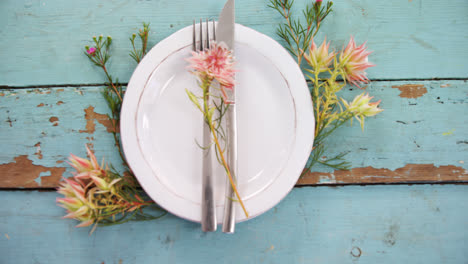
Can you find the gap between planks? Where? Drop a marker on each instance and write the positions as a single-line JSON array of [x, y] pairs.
[[332, 185], [125, 84]]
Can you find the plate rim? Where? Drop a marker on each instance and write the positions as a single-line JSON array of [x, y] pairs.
[[292, 74]]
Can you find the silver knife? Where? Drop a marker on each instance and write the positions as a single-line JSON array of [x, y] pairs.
[[225, 33]]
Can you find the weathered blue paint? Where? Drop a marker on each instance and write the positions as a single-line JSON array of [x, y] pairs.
[[374, 224], [42, 44], [28, 115], [42, 41], [409, 131]]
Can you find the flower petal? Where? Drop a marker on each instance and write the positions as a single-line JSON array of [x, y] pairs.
[[86, 223]]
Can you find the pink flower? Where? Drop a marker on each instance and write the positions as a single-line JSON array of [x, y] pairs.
[[85, 223], [354, 60], [83, 165], [319, 58], [74, 202], [91, 51], [361, 107], [77, 189], [215, 63], [71, 188], [70, 203], [65, 189], [83, 210], [83, 178]]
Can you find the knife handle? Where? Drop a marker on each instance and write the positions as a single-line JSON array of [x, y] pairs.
[[229, 218]]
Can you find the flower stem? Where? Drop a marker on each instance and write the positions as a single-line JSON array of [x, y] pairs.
[[299, 51], [226, 167], [212, 124], [111, 82], [317, 102]]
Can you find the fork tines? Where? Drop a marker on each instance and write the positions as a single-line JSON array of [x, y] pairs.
[[204, 44]]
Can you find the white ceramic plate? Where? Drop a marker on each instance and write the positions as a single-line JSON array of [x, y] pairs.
[[159, 125]]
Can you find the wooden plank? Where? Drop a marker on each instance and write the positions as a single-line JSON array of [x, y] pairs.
[[42, 41], [373, 224], [420, 137]]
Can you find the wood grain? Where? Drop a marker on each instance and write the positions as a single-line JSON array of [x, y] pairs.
[[418, 139], [373, 224], [410, 173], [43, 41]]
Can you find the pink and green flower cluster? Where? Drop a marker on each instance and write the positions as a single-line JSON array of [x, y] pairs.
[[349, 64], [94, 193]]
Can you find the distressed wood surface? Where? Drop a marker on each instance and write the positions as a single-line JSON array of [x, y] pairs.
[[42, 41], [374, 224], [420, 137]]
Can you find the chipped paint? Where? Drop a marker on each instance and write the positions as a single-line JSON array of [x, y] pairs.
[[40, 105], [60, 102], [411, 90], [445, 85], [370, 175], [42, 91], [42, 174], [91, 117], [23, 173], [7, 236], [54, 120], [38, 150], [9, 121]]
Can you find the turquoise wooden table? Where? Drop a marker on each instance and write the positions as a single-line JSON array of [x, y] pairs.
[[404, 200]]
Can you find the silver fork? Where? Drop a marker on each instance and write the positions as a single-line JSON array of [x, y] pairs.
[[208, 216]]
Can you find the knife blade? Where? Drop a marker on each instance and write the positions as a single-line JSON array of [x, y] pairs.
[[225, 33]]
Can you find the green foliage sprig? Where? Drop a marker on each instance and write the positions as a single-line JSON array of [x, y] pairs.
[[323, 70], [295, 32], [104, 196], [138, 54]]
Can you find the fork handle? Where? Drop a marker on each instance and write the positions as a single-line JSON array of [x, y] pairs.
[[208, 217]]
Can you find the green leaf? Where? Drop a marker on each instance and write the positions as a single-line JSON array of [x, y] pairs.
[[210, 113], [194, 99]]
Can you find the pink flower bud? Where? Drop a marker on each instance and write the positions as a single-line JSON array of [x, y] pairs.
[[65, 189], [69, 203], [361, 107], [78, 190], [91, 51], [94, 162], [354, 60], [83, 165], [86, 223], [80, 164], [100, 183], [318, 57]]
